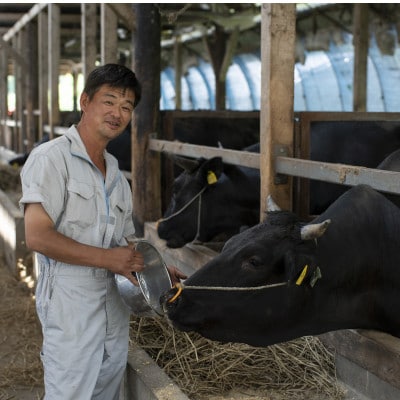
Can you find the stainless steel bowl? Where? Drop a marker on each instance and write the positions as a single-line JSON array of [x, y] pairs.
[[154, 280]]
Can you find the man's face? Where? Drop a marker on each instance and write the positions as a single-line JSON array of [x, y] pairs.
[[109, 111]]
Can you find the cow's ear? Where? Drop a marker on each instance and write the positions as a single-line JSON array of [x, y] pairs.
[[299, 267], [212, 169]]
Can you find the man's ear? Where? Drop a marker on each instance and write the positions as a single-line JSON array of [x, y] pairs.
[[83, 101]]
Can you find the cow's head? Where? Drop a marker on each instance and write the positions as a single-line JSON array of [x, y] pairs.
[[192, 202], [279, 256]]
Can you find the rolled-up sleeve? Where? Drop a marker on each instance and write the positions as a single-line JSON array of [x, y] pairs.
[[43, 182]]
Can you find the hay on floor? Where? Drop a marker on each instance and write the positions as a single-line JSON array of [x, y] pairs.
[[20, 336], [202, 367]]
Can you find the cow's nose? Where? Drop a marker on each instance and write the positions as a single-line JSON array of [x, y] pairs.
[[171, 296]]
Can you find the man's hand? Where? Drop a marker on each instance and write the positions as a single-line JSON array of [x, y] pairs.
[[127, 261], [175, 274]]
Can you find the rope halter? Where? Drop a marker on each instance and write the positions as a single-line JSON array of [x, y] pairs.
[[314, 277], [198, 195], [181, 286]]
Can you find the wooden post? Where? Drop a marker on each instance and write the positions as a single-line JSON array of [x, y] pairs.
[[31, 84], [19, 115], [88, 37], [108, 42], [277, 98], [54, 64], [43, 71], [145, 163], [361, 44], [3, 91], [178, 73], [216, 45]]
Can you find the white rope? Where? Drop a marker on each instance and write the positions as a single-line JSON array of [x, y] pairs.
[[198, 220], [228, 288], [184, 207]]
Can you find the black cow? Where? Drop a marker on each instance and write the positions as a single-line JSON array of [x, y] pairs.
[[392, 163], [340, 271], [364, 143], [211, 198]]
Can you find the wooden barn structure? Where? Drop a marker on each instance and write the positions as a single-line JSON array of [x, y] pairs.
[[31, 50]]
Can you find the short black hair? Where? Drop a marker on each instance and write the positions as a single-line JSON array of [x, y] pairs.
[[114, 75]]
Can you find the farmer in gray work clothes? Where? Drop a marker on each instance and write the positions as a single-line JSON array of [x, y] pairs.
[[78, 212]]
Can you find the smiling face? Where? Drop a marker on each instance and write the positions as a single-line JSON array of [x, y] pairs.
[[108, 112]]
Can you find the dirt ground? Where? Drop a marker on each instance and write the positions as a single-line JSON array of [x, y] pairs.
[[20, 340]]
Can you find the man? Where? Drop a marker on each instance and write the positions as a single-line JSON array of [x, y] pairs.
[[78, 214]]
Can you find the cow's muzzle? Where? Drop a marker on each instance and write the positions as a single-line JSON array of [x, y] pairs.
[[171, 296]]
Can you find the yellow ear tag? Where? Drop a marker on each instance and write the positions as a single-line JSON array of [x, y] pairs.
[[211, 178], [302, 276]]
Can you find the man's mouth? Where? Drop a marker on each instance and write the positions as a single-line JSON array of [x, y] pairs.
[[113, 124]]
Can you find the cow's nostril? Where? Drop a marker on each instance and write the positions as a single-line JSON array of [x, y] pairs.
[[171, 296], [179, 288]]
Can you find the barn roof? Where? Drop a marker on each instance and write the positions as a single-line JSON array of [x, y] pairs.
[[324, 51], [324, 82], [317, 25]]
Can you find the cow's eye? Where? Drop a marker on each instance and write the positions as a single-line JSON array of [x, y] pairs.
[[252, 262]]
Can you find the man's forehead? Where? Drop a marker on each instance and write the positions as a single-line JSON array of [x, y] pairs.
[[108, 90]]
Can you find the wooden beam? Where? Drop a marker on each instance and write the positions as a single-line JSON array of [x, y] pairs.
[[32, 13], [349, 175], [15, 54], [236, 157], [126, 14], [278, 35]]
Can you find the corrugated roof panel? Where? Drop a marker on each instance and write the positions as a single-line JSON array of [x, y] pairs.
[[342, 61], [198, 90], [388, 71], [167, 101], [208, 75], [238, 95], [323, 83], [299, 97], [250, 64], [320, 83]]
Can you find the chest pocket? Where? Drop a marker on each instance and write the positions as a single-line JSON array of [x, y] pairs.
[[81, 209], [119, 210]]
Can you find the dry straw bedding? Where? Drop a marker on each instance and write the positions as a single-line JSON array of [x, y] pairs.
[[300, 369]]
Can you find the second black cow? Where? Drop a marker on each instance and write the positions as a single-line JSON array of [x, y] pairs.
[[234, 202]]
